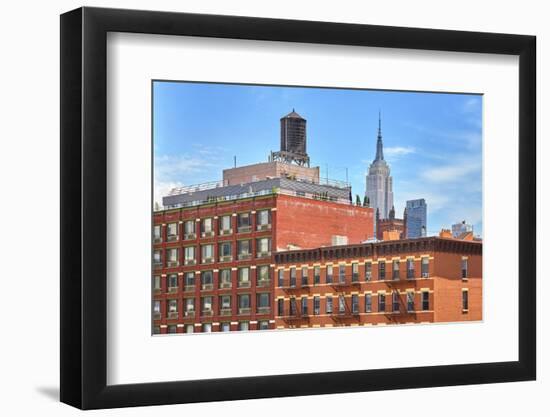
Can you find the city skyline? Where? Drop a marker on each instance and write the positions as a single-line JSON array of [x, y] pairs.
[[431, 141]]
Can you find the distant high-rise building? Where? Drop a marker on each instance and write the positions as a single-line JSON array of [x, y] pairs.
[[416, 218], [379, 182], [460, 228]]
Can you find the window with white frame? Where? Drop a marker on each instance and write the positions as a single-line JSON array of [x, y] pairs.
[[381, 302], [263, 246], [173, 281], [225, 251], [329, 274], [189, 252], [189, 305], [410, 301], [172, 306], [244, 301], [225, 278], [172, 229], [189, 279], [157, 259], [464, 267], [189, 228], [244, 276], [263, 218], [225, 224], [243, 326], [207, 253], [341, 304], [207, 327], [262, 273], [156, 282], [225, 302], [368, 303], [189, 328], [207, 225], [410, 268], [172, 255], [206, 304], [425, 267], [157, 232], [264, 300], [328, 302], [207, 279]]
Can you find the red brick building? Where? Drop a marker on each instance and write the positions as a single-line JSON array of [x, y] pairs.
[[405, 281], [213, 262]]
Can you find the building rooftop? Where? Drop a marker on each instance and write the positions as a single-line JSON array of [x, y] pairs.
[[218, 191]]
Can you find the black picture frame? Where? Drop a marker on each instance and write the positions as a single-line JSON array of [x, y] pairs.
[[84, 207]]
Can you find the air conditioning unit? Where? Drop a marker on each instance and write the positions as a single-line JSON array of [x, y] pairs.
[[264, 254], [207, 234], [264, 310], [207, 260], [157, 240], [190, 313], [425, 274], [208, 287], [244, 229], [226, 232], [189, 288], [225, 312], [226, 258], [172, 238], [244, 256], [244, 310], [263, 227], [172, 264], [190, 261], [190, 236], [207, 313], [244, 284], [156, 316], [172, 289], [173, 315], [225, 285], [264, 283]]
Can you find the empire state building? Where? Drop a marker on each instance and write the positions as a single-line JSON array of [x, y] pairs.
[[379, 182]]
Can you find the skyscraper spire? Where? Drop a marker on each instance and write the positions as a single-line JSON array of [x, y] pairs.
[[379, 150]]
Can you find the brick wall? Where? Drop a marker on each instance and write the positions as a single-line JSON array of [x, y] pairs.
[[310, 223]]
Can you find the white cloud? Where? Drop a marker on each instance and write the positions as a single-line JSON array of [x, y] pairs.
[[162, 189], [394, 152], [453, 172]]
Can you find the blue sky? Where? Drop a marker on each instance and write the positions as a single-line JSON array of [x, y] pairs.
[[431, 141]]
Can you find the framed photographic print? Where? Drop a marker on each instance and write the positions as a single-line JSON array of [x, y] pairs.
[[257, 208]]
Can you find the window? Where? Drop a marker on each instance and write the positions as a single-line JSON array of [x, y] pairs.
[[316, 275], [425, 267], [189, 252], [172, 256], [329, 274], [189, 305], [293, 306], [172, 282], [263, 300], [156, 329], [292, 277], [328, 302], [156, 307], [395, 273], [368, 271], [172, 306], [156, 257], [172, 329], [354, 272], [207, 280], [225, 225], [304, 306], [316, 305], [342, 274], [464, 265], [410, 268], [206, 304], [207, 328], [243, 326], [263, 219], [281, 278], [207, 253], [189, 229], [189, 280], [225, 251], [225, 327], [172, 230], [281, 307], [425, 300], [368, 303], [243, 249], [381, 302], [206, 226], [410, 301], [243, 222], [382, 270], [304, 276], [355, 304], [262, 274], [263, 325], [395, 301], [244, 301], [464, 300], [157, 234], [263, 247], [244, 277], [225, 302], [225, 278], [189, 328], [341, 304], [156, 283]]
